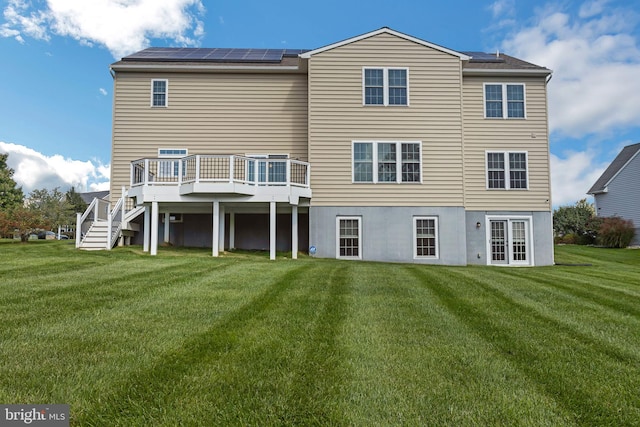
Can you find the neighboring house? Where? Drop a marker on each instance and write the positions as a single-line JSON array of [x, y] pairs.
[[617, 191], [381, 147], [88, 197]]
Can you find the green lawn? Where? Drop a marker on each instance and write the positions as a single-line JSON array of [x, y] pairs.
[[187, 339]]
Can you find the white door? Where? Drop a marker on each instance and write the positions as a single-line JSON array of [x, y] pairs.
[[509, 241]]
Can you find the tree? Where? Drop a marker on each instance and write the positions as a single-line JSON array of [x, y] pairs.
[[75, 201], [52, 206], [10, 195], [22, 220], [578, 220]]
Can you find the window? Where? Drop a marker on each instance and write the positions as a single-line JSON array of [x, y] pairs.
[[171, 168], [348, 232], [425, 237], [504, 100], [507, 170], [159, 93], [385, 86], [387, 162], [363, 162]]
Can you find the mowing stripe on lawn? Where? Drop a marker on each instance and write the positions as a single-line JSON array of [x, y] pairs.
[[531, 353], [201, 348]]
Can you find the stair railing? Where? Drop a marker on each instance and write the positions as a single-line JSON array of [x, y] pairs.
[[98, 210], [116, 220]]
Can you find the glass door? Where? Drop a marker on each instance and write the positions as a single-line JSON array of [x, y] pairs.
[[509, 241]]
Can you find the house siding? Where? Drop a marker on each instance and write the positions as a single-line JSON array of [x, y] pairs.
[[623, 196], [207, 113], [387, 232], [529, 134], [337, 117], [477, 237], [315, 113]]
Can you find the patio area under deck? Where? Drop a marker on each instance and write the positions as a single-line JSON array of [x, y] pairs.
[[165, 185], [157, 213]]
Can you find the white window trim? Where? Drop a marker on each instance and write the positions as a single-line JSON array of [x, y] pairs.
[[166, 93], [385, 90], [360, 247], [375, 162], [509, 218], [415, 238], [276, 156], [172, 156], [505, 106], [507, 175]]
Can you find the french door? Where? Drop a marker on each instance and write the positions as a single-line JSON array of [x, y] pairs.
[[273, 169], [510, 241]]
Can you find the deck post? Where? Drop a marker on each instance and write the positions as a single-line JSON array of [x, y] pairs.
[[221, 235], [147, 229], [216, 228], [294, 232], [154, 228], [272, 230], [232, 230], [167, 221]]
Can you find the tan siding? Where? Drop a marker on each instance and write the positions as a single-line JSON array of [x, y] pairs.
[[208, 113], [528, 135], [337, 117]]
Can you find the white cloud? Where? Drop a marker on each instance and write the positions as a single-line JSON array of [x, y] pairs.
[[573, 176], [593, 52], [501, 8], [123, 26], [596, 64], [34, 170], [103, 91], [591, 8]]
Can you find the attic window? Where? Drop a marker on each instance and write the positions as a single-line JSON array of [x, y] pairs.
[[385, 86]]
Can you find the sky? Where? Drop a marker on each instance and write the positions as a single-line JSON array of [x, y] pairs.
[[56, 90]]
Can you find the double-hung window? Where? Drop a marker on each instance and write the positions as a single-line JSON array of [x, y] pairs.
[[348, 237], [385, 86], [383, 161], [504, 100], [425, 237], [507, 170], [159, 92]]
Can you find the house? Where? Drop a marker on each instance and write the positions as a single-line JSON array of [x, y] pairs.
[[89, 196], [381, 147], [617, 191]]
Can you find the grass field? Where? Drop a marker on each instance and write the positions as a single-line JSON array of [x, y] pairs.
[[186, 339]]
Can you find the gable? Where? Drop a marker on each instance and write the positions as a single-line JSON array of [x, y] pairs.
[[388, 31], [625, 157]]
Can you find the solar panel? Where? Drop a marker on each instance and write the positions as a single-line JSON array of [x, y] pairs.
[[483, 57], [213, 54]]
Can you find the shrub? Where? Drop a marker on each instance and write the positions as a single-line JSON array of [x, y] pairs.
[[616, 232]]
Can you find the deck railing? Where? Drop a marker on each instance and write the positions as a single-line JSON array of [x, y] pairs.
[[201, 168]]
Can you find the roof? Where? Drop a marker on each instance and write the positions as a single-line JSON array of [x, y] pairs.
[[88, 197], [475, 63], [622, 159], [489, 63]]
